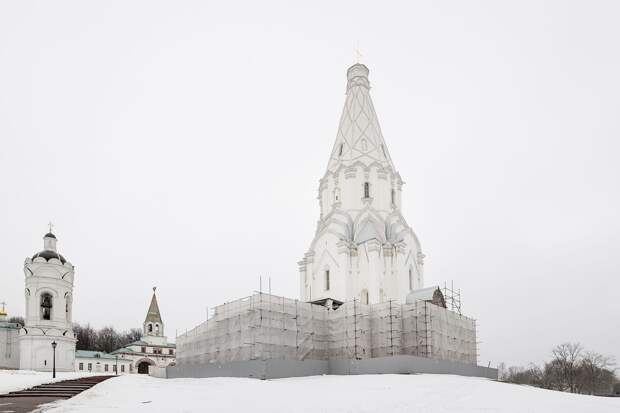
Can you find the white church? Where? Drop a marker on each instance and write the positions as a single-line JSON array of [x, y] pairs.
[[363, 247], [362, 305]]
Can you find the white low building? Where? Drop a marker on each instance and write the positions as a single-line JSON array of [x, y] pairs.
[[99, 362]]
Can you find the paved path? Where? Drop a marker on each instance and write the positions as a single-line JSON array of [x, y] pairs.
[[28, 400]]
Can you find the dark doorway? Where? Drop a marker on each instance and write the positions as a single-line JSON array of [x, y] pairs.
[[143, 368]]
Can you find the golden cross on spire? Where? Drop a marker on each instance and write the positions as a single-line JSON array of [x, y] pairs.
[[51, 226]]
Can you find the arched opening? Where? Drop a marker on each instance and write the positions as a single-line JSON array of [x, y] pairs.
[[157, 328], [68, 308], [143, 366], [410, 279], [149, 328], [46, 306]]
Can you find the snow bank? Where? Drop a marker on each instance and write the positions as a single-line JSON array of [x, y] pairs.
[[368, 394], [12, 380]]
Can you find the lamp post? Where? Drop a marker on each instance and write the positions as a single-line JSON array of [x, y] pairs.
[[54, 359]]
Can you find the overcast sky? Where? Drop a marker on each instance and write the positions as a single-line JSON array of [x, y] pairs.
[[179, 144]]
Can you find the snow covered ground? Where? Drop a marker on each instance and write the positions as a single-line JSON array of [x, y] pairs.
[[11, 380], [369, 393]]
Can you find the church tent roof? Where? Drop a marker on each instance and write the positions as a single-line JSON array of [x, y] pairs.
[[153, 315], [359, 137]]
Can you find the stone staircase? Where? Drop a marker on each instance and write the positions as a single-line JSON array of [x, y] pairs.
[[59, 390]]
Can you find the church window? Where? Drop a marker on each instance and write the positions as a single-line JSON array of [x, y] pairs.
[[157, 328], [46, 306], [326, 280], [341, 149], [122, 368], [81, 366], [90, 366], [393, 197], [143, 349], [366, 190], [410, 279], [105, 367], [150, 328]]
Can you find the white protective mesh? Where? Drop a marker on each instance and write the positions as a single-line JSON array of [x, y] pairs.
[[264, 326]]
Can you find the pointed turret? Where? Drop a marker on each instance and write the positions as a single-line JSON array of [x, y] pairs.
[[359, 137], [153, 325]]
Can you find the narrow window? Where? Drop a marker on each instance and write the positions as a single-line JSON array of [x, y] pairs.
[[393, 197], [326, 280], [366, 190], [144, 349], [341, 149], [90, 366], [114, 368], [81, 366], [157, 328], [105, 367], [46, 306], [383, 150], [122, 368], [170, 351], [364, 296], [410, 279]]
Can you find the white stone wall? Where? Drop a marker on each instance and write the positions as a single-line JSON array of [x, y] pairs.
[[9, 348]]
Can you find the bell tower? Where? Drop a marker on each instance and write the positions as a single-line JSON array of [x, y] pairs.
[[49, 305]]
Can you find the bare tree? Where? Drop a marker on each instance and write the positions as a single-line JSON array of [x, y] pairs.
[[567, 357], [593, 368]]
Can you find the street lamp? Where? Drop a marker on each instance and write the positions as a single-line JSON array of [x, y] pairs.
[[54, 359]]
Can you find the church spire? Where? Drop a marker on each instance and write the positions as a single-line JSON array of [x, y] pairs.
[[153, 325], [359, 137]]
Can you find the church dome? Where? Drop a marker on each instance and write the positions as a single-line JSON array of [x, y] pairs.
[[48, 255], [49, 252]]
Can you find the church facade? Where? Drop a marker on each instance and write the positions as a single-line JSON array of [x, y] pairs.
[[363, 247], [153, 349]]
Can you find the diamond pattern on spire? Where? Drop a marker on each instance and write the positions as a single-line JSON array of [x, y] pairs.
[[359, 135]]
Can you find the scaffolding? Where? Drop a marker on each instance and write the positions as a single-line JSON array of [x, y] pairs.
[[268, 327]]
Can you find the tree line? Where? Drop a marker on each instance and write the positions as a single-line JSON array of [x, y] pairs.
[[571, 369], [106, 339]]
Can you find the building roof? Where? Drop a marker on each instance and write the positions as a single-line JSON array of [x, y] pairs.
[[153, 315], [359, 137], [430, 294], [49, 235], [48, 255], [96, 355]]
